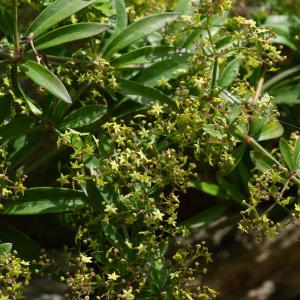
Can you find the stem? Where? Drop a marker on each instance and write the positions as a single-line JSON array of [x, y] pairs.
[[15, 19], [215, 71], [213, 46], [252, 142], [211, 40], [285, 187]]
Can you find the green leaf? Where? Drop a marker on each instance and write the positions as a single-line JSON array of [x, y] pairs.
[[244, 174], [121, 14], [206, 216], [256, 126], [6, 22], [54, 13], [231, 190], [280, 77], [128, 107], [16, 128], [197, 34], [136, 31], [69, 33], [184, 8], [282, 25], [45, 200], [296, 156], [190, 39], [144, 55], [159, 274], [271, 130], [5, 247], [111, 233], [27, 248], [166, 70], [234, 113], [46, 79], [224, 42], [148, 94], [210, 189], [83, 116], [261, 162], [286, 153], [94, 197], [237, 154], [289, 94], [18, 90], [22, 147], [284, 40], [229, 74]]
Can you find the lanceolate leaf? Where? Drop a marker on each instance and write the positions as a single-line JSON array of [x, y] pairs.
[[210, 189], [282, 25], [27, 248], [231, 190], [163, 70], [136, 31], [69, 33], [46, 79], [34, 107], [280, 77], [271, 130], [286, 153], [54, 13], [94, 197], [206, 216], [83, 116], [296, 156], [6, 22], [261, 162], [128, 107], [145, 55], [148, 94], [45, 200], [121, 14], [229, 73]]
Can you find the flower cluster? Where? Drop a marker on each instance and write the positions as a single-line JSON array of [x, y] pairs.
[[14, 276], [10, 187]]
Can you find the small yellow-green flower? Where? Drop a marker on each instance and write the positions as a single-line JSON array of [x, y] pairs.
[[110, 209], [113, 276]]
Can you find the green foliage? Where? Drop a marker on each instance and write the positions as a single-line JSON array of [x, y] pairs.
[[126, 118]]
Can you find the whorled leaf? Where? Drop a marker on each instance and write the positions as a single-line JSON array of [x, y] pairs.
[[136, 31], [83, 116], [69, 33], [286, 153], [46, 79], [54, 13], [45, 200]]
